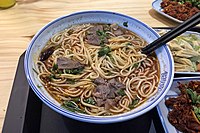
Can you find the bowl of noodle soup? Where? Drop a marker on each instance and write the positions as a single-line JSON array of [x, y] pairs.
[[88, 66]]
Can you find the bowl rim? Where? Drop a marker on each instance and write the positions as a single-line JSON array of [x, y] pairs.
[[89, 118]]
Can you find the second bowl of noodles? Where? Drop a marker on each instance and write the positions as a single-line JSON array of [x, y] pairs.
[[88, 66]]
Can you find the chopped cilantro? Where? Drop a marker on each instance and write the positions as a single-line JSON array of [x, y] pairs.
[[55, 67], [90, 100], [52, 76], [134, 103], [74, 71], [39, 86], [136, 65], [76, 99], [101, 33], [111, 58], [104, 51], [60, 71], [121, 92], [72, 106], [102, 36]]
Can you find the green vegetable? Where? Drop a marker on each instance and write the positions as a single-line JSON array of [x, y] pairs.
[[60, 71], [106, 27], [111, 58], [136, 65], [193, 95], [134, 103], [101, 33], [72, 106], [55, 67], [194, 65], [181, 2], [109, 73], [39, 86], [76, 99], [129, 44], [197, 112], [52, 76], [125, 24], [104, 51], [195, 3], [195, 58], [121, 92], [102, 36], [195, 100], [194, 37], [74, 71], [198, 99], [196, 48], [90, 100]]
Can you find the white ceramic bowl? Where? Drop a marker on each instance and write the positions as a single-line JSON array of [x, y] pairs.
[[40, 39]]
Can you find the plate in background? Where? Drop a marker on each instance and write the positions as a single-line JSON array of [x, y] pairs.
[[186, 33], [163, 110], [156, 6]]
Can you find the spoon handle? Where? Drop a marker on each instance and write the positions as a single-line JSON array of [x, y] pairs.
[[191, 22]]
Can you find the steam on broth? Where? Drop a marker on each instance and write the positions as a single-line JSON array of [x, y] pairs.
[[98, 69]]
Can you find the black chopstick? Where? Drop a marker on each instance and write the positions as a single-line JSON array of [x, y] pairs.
[[191, 22]]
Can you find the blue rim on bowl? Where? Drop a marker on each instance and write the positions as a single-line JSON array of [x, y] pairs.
[[164, 56]]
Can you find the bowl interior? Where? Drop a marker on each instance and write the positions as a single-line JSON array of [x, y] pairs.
[[147, 33]]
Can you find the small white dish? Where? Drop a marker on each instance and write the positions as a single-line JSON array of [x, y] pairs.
[[156, 6], [163, 110]]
